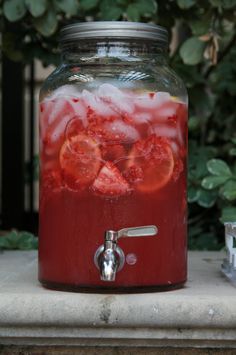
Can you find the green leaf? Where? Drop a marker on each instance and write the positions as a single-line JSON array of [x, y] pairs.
[[133, 12], [69, 7], [205, 241], [218, 167], [193, 194], [228, 191], [227, 4], [146, 7], [27, 241], [203, 102], [232, 151], [193, 123], [207, 198], [211, 182], [18, 240], [186, 4], [228, 214], [88, 4], [47, 24], [14, 10], [36, 8], [192, 50], [109, 11], [200, 27], [4, 243], [216, 3]]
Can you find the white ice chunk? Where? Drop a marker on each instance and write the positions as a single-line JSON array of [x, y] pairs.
[[118, 100], [80, 111], [94, 102], [142, 118], [164, 113], [60, 128], [148, 101], [65, 91], [164, 131], [120, 130], [58, 106]]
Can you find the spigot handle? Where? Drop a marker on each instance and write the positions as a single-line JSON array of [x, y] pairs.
[[143, 231]]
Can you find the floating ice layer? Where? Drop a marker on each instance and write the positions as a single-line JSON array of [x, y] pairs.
[[120, 115]]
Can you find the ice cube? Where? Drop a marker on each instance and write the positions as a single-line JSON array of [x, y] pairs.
[[58, 106], [162, 130], [98, 106], [166, 112], [143, 117], [80, 110], [120, 131], [117, 99], [65, 91], [59, 129], [149, 101], [46, 108]]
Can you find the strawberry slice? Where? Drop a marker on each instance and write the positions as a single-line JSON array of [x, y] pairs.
[[80, 160], [154, 156], [134, 174], [110, 182]]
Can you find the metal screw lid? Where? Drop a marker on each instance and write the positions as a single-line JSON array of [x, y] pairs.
[[113, 29]]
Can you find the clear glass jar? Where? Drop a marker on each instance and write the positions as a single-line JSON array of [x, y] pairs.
[[113, 147]]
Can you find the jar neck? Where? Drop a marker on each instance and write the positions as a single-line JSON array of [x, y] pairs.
[[104, 52]]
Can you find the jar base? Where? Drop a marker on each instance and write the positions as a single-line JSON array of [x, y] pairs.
[[104, 289]]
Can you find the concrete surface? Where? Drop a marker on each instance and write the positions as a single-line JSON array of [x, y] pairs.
[[203, 314]]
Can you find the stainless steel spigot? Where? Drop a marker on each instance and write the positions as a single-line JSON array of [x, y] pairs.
[[109, 258]]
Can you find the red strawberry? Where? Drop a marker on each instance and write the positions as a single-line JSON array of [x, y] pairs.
[[110, 182], [134, 174]]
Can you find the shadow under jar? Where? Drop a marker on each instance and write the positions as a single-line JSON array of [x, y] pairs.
[[113, 146]]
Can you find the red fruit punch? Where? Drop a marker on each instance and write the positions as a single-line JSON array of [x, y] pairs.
[[110, 169]]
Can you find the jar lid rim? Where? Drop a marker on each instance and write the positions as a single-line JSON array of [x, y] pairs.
[[113, 29]]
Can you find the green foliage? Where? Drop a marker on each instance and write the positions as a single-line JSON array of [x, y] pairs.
[[204, 55], [36, 8], [14, 10], [192, 51], [186, 4], [46, 25], [18, 240], [69, 7]]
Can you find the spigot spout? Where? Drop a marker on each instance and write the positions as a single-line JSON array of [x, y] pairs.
[[108, 260], [108, 264]]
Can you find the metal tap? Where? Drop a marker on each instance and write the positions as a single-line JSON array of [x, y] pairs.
[[109, 258]]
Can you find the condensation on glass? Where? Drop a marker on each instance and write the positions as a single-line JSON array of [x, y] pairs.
[[113, 147]]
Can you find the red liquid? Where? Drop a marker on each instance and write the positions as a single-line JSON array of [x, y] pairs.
[[111, 169]]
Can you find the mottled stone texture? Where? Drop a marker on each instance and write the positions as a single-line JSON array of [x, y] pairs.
[[198, 319]]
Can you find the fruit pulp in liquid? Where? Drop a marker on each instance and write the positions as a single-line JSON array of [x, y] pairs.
[[111, 159]]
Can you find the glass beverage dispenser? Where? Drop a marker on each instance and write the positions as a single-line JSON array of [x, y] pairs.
[[113, 146]]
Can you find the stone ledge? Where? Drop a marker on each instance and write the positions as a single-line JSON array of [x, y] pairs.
[[200, 315]]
